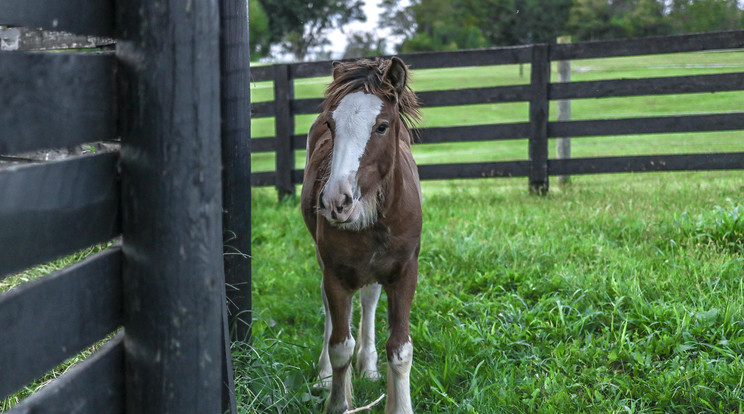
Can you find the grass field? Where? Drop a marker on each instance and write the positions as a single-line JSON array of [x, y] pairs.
[[619, 293], [582, 70]]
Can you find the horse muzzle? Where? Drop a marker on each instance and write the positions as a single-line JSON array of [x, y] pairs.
[[338, 205]]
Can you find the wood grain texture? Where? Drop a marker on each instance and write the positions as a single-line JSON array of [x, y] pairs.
[[649, 45], [284, 127], [33, 115], [539, 100], [645, 163], [653, 86], [53, 209], [169, 68], [52, 318], [84, 17], [94, 386]]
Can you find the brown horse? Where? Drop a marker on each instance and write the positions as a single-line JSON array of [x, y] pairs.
[[361, 201]]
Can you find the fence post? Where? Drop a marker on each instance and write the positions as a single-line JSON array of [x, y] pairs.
[[235, 103], [538, 140], [169, 107], [284, 127], [563, 144], [236, 160]]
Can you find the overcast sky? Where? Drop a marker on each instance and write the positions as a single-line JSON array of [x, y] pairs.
[[371, 9]]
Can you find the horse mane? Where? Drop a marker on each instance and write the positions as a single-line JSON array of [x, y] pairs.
[[368, 75]]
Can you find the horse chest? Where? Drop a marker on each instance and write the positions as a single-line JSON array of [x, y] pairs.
[[361, 258]]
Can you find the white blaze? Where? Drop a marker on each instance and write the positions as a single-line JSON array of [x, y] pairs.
[[355, 117]]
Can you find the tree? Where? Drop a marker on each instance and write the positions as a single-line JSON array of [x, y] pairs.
[[361, 44], [299, 25], [691, 16], [259, 30], [538, 21]]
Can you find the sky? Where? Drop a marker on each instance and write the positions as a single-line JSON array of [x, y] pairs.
[[371, 9]]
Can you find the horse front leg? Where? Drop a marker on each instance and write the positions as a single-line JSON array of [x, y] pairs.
[[399, 346], [366, 363], [340, 344]]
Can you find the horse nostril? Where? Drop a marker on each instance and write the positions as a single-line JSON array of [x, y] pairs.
[[340, 209], [348, 200]]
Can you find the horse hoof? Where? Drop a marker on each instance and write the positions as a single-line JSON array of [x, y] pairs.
[[338, 409]]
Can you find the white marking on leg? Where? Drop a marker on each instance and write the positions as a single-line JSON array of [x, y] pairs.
[[340, 356], [398, 380], [366, 363]]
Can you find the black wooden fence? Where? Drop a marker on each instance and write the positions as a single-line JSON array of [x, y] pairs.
[[538, 93], [175, 84]]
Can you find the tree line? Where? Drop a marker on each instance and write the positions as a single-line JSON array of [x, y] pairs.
[[299, 27]]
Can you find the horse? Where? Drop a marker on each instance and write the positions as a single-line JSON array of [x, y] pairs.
[[361, 202]]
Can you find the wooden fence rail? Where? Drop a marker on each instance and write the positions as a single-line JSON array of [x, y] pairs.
[[155, 301], [538, 93]]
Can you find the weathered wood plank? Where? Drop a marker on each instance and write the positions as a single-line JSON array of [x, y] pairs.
[[284, 127], [649, 45], [650, 125], [85, 17], [470, 96], [262, 109], [172, 202], [428, 60], [53, 209], [52, 318], [538, 144], [236, 172], [24, 38], [262, 73], [474, 170], [647, 163], [263, 179], [32, 115], [651, 86], [263, 145], [491, 132], [95, 385]]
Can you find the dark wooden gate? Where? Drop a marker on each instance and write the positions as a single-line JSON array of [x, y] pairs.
[[173, 93]]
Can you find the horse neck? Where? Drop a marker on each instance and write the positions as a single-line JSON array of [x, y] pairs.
[[394, 184]]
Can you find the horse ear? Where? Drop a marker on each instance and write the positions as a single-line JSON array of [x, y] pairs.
[[336, 69], [397, 75]]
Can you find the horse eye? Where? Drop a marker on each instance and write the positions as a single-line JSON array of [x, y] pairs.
[[381, 129]]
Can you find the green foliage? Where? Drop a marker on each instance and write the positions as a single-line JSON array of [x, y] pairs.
[[259, 30], [362, 44], [691, 16], [299, 26], [443, 24]]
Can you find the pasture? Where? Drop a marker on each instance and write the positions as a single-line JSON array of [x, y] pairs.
[[617, 293]]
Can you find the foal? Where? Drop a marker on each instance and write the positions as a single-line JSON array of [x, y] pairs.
[[361, 201]]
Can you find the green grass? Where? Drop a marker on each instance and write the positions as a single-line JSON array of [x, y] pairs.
[[582, 70], [618, 293]]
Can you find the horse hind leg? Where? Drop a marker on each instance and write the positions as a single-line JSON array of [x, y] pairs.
[[366, 363]]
